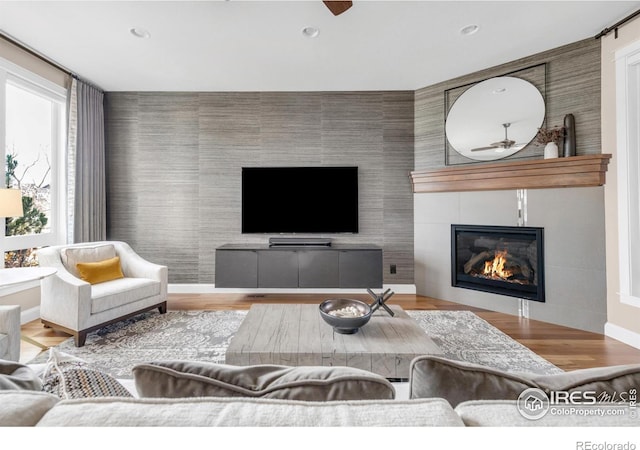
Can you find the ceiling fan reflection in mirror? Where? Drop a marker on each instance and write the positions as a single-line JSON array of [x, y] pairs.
[[502, 145], [338, 8]]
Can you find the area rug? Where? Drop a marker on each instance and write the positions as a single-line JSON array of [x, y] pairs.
[[464, 336], [205, 335]]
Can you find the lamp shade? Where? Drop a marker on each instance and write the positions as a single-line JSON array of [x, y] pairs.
[[10, 203]]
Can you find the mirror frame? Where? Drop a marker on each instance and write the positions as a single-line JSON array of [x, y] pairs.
[[536, 75]]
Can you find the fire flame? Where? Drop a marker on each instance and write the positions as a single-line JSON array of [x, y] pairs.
[[495, 268]]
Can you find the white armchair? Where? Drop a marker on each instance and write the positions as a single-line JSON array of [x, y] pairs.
[[10, 332], [76, 307]]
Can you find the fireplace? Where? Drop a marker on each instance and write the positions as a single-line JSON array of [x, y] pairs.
[[502, 260]]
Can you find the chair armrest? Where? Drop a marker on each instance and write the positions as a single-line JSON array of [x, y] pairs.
[[49, 257], [65, 299], [135, 266], [10, 325]]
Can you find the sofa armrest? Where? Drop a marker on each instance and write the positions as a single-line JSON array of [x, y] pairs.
[[10, 325]]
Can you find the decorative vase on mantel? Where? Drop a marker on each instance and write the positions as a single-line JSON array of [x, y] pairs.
[[550, 150], [550, 137], [569, 146]]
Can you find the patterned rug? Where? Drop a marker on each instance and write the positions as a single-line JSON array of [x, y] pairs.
[[205, 335]]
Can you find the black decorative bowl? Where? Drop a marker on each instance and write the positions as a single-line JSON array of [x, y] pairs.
[[345, 325]]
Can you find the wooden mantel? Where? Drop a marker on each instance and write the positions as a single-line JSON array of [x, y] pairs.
[[573, 171]]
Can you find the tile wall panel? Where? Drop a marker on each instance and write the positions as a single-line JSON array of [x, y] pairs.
[[175, 159]]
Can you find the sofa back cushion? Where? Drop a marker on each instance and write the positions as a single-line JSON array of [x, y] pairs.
[[613, 381], [71, 256], [251, 412], [16, 376], [24, 408], [309, 383], [459, 381]]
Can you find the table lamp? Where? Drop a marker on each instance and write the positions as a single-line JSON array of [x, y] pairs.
[[10, 203], [11, 206]]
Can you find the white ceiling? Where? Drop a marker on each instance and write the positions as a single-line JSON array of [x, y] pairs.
[[258, 45]]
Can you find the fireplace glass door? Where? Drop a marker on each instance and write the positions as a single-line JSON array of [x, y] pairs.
[[501, 260]]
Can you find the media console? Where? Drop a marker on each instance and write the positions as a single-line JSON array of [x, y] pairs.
[[264, 266]]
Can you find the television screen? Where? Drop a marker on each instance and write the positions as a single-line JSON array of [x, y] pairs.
[[299, 199]]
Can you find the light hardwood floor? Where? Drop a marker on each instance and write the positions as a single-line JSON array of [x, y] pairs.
[[567, 348]]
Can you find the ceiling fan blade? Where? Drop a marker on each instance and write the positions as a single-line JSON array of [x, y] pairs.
[[338, 8], [492, 147]]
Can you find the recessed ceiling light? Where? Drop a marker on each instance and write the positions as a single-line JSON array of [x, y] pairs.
[[469, 29], [310, 32], [140, 33]]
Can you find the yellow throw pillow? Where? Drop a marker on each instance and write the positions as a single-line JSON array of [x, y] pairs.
[[101, 271]]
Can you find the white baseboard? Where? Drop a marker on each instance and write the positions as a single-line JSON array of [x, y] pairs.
[[29, 315], [191, 288], [622, 334], [211, 289]]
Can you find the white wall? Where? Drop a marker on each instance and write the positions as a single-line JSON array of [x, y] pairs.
[[623, 320], [28, 300]]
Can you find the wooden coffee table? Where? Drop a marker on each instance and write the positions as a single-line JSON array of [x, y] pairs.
[[296, 335]]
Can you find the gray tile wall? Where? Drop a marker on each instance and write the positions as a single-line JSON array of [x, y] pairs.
[[573, 222], [573, 218], [174, 161]]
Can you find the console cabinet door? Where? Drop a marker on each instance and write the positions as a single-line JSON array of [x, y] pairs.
[[318, 268], [361, 269], [278, 269], [236, 268]]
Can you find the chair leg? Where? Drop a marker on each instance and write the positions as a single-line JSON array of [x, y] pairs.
[[80, 338], [163, 308]]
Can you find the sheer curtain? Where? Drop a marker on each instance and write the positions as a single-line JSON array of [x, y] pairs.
[[86, 190]]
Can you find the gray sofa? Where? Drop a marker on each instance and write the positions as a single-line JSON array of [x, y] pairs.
[[201, 394]]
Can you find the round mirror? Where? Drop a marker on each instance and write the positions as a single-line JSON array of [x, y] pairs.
[[495, 118]]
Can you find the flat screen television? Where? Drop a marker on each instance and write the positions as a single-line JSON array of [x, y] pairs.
[[299, 200]]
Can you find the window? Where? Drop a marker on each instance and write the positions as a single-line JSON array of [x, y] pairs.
[[32, 137], [628, 152]]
